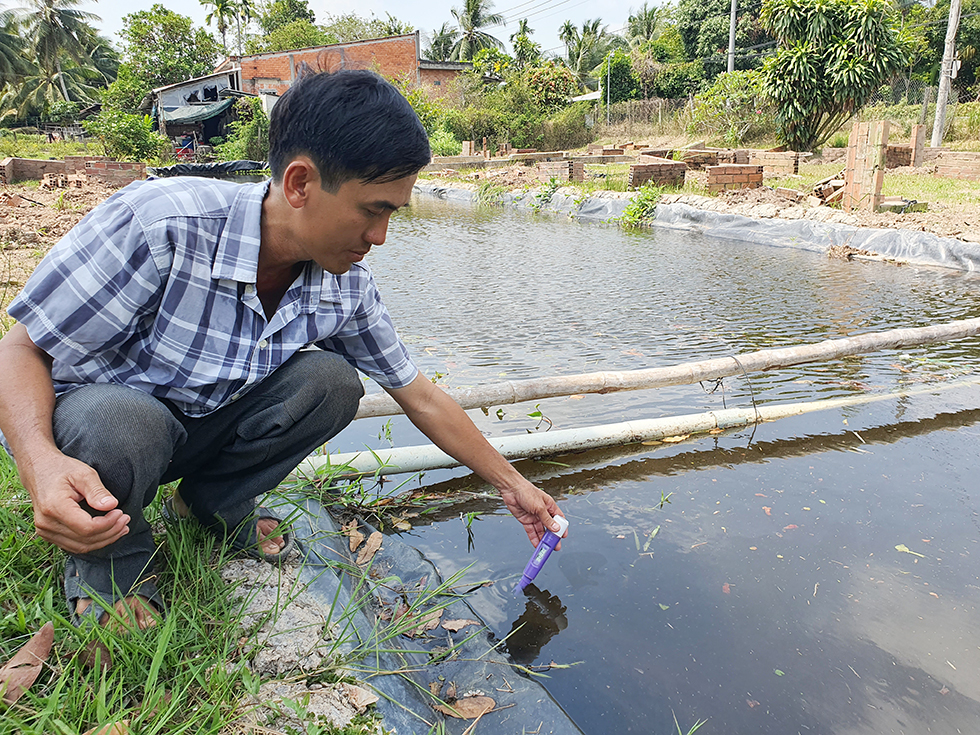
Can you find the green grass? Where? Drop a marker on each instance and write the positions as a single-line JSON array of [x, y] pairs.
[[26, 145], [187, 675]]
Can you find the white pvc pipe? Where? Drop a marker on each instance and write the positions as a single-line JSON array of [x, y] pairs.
[[429, 457]]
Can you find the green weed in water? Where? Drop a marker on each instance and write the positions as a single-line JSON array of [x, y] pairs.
[[642, 207]]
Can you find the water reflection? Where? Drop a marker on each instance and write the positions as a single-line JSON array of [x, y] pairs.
[[543, 618], [776, 550]]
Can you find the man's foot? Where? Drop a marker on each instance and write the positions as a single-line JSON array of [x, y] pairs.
[[137, 610], [270, 545]]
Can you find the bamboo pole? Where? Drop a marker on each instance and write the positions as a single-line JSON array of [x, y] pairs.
[[535, 389], [429, 457]]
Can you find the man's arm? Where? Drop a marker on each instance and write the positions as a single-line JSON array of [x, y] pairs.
[[441, 419], [57, 484]]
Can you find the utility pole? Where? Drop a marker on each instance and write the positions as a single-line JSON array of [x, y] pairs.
[[609, 83], [731, 38], [946, 74]]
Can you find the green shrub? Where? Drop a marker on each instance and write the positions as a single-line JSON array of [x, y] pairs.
[[444, 143], [477, 123], [126, 137], [248, 136], [733, 108], [566, 129], [678, 80]]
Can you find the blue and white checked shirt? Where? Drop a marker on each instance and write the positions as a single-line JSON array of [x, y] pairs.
[[155, 289]]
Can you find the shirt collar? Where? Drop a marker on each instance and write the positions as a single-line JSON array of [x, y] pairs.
[[237, 256]]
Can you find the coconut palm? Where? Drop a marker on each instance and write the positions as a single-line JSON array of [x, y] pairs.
[[645, 24], [223, 12], [55, 30], [585, 49], [40, 90], [471, 18], [441, 43], [526, 51], [13, 64]]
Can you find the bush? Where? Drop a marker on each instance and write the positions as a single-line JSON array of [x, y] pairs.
[[248, 137], [566, 129], [733, 108], [551, 85], [477, 123], [678, 80], [444, 143], [126, 137]]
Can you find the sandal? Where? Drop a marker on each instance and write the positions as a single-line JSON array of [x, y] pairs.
[[245, 537], [76, 589]]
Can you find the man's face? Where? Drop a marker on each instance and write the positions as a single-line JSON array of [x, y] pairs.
[[339, 229]]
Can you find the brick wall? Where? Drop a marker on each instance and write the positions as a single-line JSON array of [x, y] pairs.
[[698, 159], [561, 170], [396, 56], [115, 173], [660, 171], [898, 155], [24, 169], [739, 156], [76, 164], [958, 165], [776, 162], [734, 176]]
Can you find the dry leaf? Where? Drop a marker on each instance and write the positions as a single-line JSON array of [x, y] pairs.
[[17, 675], [467, 708], [427, 622], [457, 625], [767, 509], [354, 536], [370, 548], [114, 728], [434, 687], [790, 527], [360, 698], [675, 439], [576, 397], [451, 691], [726, 588], [716, 431], [401, 525], [95, 651], [752, 703]]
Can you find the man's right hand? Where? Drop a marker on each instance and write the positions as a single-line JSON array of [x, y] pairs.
[[58, 488]]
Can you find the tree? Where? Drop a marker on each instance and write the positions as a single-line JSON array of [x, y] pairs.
[[56, 30], [298, 34], [162, 47], [352, 27], [526, 52], [222, 13], [279, 13], [704, 28], [552, 84], [832, 56], [471, 19], [617, 70], [13, 63], [585, 49], [440, 45], [645, 24]]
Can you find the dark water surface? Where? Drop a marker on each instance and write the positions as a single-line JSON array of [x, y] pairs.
[[773, 598]]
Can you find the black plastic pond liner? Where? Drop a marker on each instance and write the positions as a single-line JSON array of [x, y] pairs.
[[214, 170], [522, 704]]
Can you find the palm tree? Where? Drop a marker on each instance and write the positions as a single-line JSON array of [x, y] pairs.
[[55, 30], [224, 11], [13, 64], [441, 43], [474, 15], [526, 51], [40, 90], [585, 49], [644, 25]]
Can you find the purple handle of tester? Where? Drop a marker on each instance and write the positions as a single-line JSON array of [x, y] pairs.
[[545, 546]]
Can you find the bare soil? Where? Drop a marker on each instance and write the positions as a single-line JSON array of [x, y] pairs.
[[33, 219]]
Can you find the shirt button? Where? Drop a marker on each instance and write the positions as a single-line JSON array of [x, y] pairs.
[[263, 344]]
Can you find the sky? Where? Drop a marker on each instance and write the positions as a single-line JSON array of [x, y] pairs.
[[544, 16]]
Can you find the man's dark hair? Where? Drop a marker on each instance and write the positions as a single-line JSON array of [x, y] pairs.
[[354, 125]]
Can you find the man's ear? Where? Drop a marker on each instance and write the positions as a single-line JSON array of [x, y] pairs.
[[297, 180]]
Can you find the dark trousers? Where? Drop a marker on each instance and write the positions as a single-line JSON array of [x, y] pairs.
[[225, 460]]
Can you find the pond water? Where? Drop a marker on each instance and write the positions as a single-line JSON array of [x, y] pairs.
[[773, 598]]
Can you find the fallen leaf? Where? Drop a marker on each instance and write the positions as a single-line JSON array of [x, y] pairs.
[[726, 588], [944, 690], [767, 509], [752, 703], [664, 607], [427, 622], [451, 691], [401, 525], [777, 672], [360, 698], [934, 595], [370, 548], [434, 687], [467, 708], [576, 397], [761, 495], [715, 431], [113, 728], [457, 625], [95, 653], [790, 527], [354, 536], [20, 672], [675, 439]]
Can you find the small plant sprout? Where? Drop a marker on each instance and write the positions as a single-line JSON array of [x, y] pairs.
[[542, 419], [385, 433]]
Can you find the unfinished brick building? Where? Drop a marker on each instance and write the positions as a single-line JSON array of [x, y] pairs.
[[393, 57]]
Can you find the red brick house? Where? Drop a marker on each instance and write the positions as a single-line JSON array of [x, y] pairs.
[[393, 57]]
